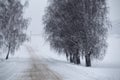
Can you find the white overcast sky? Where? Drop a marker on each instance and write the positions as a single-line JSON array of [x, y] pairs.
[[35, 11], [114, 9]]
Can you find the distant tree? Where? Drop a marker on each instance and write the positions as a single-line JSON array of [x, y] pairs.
[[13, 24]]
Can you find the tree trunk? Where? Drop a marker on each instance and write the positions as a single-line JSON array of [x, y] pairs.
[[67, 56], [74, 59], [78, 60], [71, 58], [88, 60], [8, 53], [77, 57]]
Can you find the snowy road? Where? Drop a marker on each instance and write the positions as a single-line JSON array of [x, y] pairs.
[[26, 69]]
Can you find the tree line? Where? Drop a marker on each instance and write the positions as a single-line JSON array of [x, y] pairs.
[[77, 28], [12, 25]]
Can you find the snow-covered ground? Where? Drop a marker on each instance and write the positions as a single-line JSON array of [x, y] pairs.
[[107, 69], [74, 72]]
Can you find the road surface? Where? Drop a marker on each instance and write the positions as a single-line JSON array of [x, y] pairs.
[[27, 69]]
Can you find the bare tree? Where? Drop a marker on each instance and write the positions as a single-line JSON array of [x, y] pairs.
[[13, 24]]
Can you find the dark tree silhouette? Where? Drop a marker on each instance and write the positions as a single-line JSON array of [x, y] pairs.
[[77, 28]]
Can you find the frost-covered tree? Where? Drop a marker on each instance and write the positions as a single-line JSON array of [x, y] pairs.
[[77, 28], [12, 24], [62, 28], [95, 27]]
